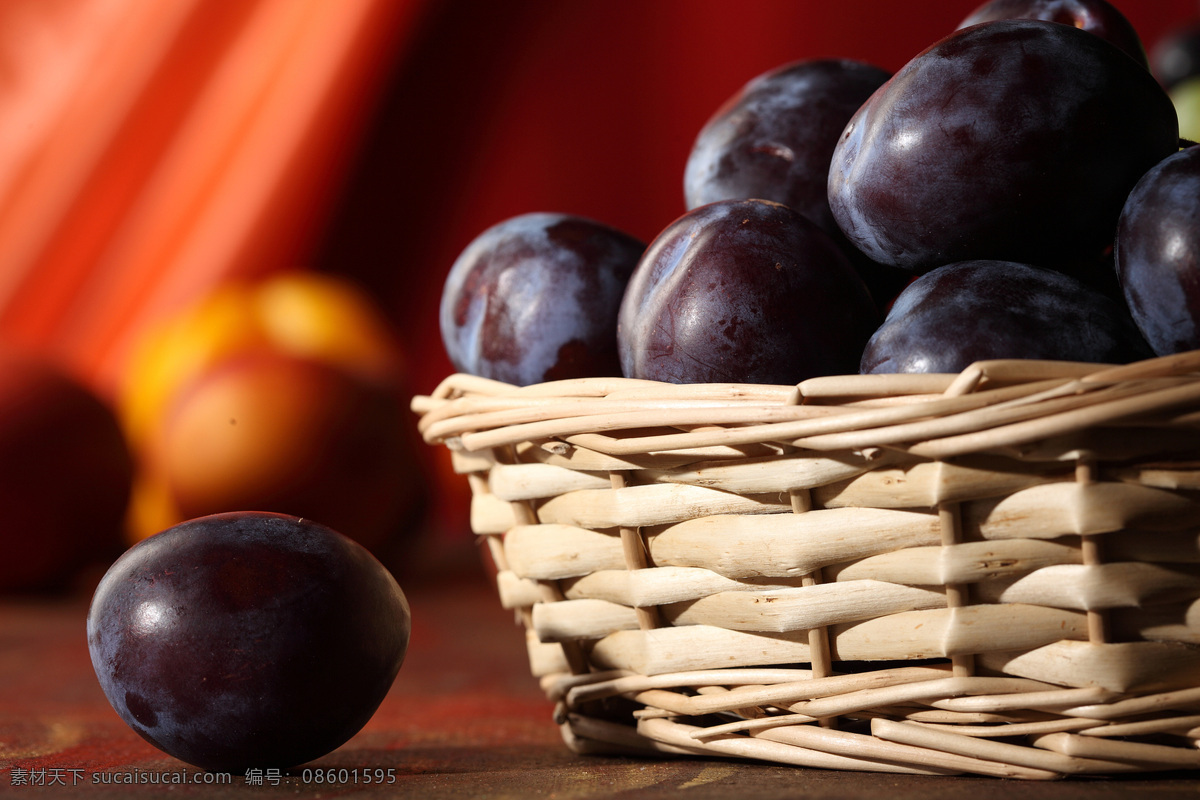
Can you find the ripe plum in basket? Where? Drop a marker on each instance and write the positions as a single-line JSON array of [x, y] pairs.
[[534, 298], [247, 639], [1158, 253], [743, 291], [977, 310], [1014, 140], [773, 140], [1094, 16]]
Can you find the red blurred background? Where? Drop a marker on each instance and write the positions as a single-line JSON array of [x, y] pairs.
[[587, 107], [150, 151]]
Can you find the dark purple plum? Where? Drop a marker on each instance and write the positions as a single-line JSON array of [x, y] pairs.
[[247, 639], [961, 313], [743, 291], [534, 298], [1098, 17], [1013, 140], [1158, 253], [773, 140]]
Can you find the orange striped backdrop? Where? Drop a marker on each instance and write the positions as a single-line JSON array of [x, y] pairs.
[[150, 148]]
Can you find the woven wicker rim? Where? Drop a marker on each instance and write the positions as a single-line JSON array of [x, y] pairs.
[[602, 503]]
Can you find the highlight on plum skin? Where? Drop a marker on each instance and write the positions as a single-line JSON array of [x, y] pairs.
[[974, 311], [1015, 140], [1157, 253], [773, 139], [743, 291], [247, 639], [1098, 17], [534, 298]]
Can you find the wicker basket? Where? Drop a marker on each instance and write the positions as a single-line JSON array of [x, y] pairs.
[[994, 573]]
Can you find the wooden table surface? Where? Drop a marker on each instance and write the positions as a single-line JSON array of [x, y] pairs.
[[464, 719]]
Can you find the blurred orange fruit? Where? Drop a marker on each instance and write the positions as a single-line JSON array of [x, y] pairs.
[[273, 432], [283, 394], [304, 313]]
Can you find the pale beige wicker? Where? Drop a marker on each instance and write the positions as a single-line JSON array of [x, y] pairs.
[[992, 573]]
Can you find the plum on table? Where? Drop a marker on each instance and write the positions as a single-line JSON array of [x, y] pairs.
[[247, 639]]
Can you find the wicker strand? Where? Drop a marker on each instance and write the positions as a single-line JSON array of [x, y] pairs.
[[637, 556], [551, 592], [992, 573], [957, 594], [1092, 551], [801, 501], [479, 487], [818, 637]]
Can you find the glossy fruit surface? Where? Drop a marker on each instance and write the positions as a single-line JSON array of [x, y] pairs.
[[1158, 253], [247, 639], [65, 475], [1098, 17], [534, 298], [774, 138], [977, 310], [743, 291], [1013, 140]]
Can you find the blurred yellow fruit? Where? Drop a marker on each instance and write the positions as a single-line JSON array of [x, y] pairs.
[[253, 398], [273, 432], [307, 314], [221, 325], [327, 319], [1186, 97]]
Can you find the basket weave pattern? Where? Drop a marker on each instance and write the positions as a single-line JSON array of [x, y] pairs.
[[992, 573]]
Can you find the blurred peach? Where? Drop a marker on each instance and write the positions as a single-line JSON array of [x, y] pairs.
[[65, 475], [283, 394], [273, 432], [305, 313]]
